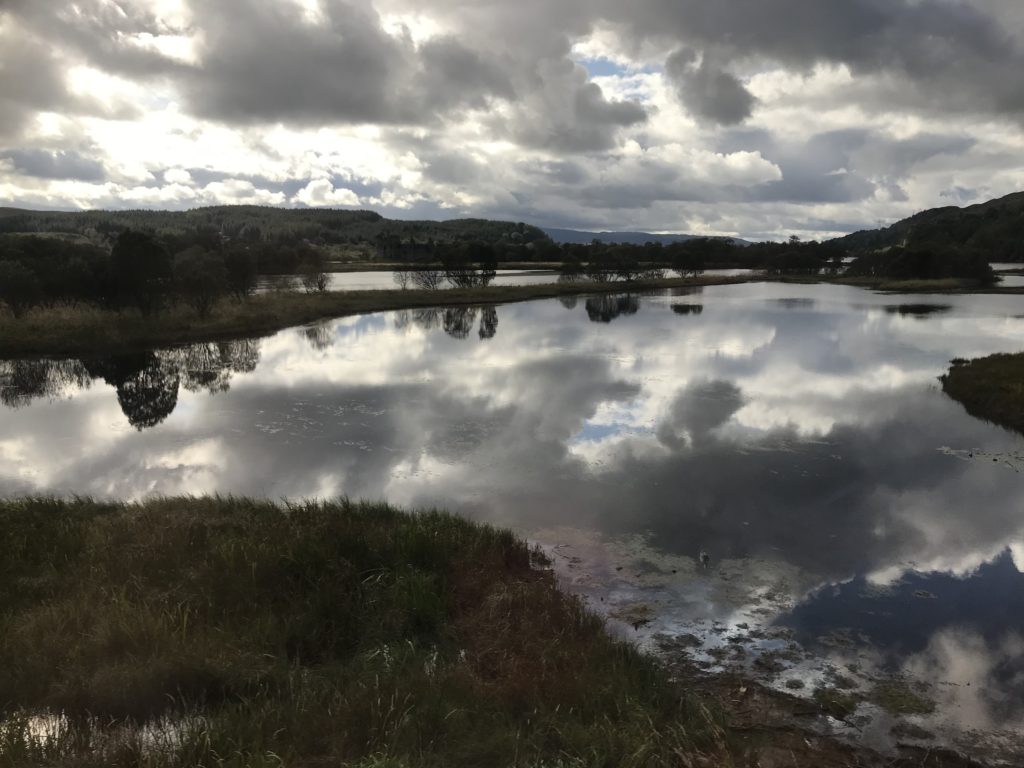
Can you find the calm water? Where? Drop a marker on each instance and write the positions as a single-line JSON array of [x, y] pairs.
[[855, 517], [384, 281]]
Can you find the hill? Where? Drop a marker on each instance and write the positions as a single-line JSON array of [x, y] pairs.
[[579, 237], [994, 228], [281, 225]]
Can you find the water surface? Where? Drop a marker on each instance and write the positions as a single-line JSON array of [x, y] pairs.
[[385, 280], [856, 519]]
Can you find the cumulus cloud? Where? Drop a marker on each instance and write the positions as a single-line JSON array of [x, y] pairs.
[[261, 61], [321, 192]]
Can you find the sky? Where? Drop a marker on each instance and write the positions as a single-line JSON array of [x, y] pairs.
[[752, 118]]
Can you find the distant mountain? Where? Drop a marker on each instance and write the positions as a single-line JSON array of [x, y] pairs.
[[995, 228], [579, 237]]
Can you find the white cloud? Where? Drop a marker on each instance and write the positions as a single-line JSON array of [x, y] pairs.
[[321, 192]]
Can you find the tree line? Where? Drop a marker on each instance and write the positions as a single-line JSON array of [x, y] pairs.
[[602, 262], [273, 231], [138, 272]]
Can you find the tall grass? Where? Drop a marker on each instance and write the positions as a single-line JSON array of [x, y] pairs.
[[233, 632]]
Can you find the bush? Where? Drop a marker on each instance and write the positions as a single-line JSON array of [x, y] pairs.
[[142, 271], [19, 287], [200, 278]]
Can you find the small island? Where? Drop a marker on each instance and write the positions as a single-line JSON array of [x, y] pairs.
[[990, 388]]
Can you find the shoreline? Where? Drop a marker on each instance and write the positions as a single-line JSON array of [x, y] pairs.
[[85, 330]]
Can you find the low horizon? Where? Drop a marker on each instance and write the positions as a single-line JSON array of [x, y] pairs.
[[546, 228]]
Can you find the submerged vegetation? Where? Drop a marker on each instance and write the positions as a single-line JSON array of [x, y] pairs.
[[232, 632], [990, 388]]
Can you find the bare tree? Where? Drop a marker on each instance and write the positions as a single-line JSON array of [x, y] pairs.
[[429, 279], [402, 278]]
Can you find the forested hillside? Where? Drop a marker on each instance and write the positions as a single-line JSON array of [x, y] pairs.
[[182, 229], [994, 229]]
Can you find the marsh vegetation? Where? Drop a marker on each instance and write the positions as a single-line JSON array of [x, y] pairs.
[[231, 632]]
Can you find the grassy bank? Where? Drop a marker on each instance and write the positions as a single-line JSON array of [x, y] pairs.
[[86, 330], [990, 388], [229, 632]]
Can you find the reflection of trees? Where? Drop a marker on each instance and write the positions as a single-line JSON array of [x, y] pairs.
[[688, 309], [22, 381], [147, 387], [488, 323], [604, 309], [458, 321], [146, 382], [917, 310], [319, 336], [569, 302], [427, 319], [403, 320], [210, 366]]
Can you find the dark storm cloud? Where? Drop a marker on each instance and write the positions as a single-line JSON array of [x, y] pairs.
[[708, 92], [55, 165], [262, 62], [948, 55]]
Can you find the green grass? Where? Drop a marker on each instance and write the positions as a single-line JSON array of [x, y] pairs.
[[990, 388], [232, 632], [84, 330]]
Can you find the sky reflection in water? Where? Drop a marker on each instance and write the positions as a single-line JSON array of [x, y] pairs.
[[797, 433]]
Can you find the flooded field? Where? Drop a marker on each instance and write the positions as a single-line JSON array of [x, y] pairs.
[[863, 536]]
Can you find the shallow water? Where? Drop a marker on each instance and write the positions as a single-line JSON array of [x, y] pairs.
[[853, 514], [385, 281]]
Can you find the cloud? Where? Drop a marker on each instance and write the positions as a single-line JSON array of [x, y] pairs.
[[707, 91], [264, 62], [953, 56], [320, 192], [55, 165]]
